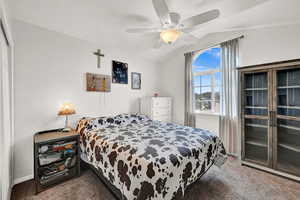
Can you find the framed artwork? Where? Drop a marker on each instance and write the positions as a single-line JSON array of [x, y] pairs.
[[136, 80], [98, 83], [119, 72]]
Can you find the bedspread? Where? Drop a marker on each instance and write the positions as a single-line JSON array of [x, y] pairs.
[[148, 159]]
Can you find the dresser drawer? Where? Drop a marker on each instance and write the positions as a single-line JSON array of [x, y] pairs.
[[161, 102], [162, 118], [161, 111]]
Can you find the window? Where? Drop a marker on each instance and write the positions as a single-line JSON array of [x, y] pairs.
[[207, 80]]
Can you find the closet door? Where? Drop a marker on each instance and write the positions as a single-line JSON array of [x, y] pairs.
[[256, 135], [287, 126]]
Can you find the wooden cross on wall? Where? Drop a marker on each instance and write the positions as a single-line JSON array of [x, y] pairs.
[[99, 55]]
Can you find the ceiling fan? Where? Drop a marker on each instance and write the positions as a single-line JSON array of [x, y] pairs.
[[172, 27]]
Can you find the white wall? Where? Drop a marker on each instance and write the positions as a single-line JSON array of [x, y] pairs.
[[49, 70], [257, 47], [270, 45], [208, 122]]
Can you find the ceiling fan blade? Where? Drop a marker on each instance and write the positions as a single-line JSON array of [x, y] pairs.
[[200, 19], [143, 30], [162, 11], [189, 38]]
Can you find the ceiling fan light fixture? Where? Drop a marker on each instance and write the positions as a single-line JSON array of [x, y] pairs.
[[169, 36]]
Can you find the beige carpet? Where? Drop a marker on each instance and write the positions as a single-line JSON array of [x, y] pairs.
[[232, 181]]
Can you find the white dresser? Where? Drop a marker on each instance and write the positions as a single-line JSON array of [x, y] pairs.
[[157, 108]]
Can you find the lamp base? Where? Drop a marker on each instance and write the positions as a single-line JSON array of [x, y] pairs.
[[66, 129]]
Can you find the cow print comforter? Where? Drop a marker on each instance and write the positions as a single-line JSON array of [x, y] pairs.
[[148, 159]]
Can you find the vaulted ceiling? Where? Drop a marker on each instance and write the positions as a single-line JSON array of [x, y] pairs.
[[104, 22]]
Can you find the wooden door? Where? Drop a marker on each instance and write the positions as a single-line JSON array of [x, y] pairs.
[[256, 104], [286, 129]]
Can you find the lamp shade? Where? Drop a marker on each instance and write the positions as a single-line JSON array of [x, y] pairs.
[[169, 36], [67, 109]]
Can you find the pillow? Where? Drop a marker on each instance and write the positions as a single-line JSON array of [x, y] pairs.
[[103, 122], [124, 119]]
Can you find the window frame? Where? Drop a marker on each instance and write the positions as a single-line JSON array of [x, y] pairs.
[[213, 85]]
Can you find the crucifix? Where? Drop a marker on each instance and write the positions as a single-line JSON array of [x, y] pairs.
[[99, 55]]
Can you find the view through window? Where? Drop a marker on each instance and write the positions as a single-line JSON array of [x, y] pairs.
[[207, 80]]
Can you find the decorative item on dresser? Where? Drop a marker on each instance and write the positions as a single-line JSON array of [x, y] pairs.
[[270, 117], [157, 108], [56, 157]]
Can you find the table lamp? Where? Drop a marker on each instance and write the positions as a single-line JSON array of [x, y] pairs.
[[66, 109]]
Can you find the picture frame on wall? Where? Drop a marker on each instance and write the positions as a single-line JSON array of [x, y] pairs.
[[119, 72], [136, 81], [98, 82]]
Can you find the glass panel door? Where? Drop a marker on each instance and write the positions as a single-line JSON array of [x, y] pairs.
[[256, 93], [288, 121], [256, 119]]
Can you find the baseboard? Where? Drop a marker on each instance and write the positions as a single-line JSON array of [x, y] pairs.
[[272, 171], [23, 179]]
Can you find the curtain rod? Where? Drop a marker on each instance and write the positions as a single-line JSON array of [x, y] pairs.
[[239, 37]]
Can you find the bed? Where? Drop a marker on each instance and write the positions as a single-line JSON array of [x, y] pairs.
[[143, 159]]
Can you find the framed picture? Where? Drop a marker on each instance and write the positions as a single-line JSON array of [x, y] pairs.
[[98, 82], [136, 80], [119, 72]]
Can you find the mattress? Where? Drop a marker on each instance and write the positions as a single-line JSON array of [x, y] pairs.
[[147, 159]]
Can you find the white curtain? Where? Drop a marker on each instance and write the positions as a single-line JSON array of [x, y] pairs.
[[189, 118], [229, 97]]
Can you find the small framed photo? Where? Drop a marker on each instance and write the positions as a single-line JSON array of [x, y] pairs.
[[136, 81]]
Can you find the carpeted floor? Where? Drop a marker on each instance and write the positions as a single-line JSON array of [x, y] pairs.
[[232, 181]]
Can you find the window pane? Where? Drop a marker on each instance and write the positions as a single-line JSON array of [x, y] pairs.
[[217, 106], [196, 96], [205, 93], [217, 93], [196, 80], [197, 105], [209, 59], [205, 80], [208, 64], [218, 78], [205, 105]]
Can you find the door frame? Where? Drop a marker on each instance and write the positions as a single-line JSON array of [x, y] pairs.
[[6, 31]]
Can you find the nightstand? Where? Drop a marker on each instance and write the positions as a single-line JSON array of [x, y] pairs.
[[56, 158]]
